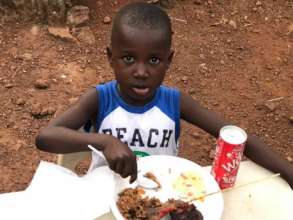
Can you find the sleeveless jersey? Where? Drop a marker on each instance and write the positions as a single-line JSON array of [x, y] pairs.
[[148, 130]]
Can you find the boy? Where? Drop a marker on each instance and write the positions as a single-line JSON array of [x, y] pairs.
[[135, 113]]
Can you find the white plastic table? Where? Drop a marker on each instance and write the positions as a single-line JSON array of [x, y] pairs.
[[67, 195], [267, 200]]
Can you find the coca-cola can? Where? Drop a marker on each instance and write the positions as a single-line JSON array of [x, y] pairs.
[[229, 151]]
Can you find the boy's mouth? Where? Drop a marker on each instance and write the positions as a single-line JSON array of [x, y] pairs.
[[141, 91]]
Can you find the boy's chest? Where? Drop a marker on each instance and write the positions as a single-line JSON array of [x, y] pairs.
[[151, 130]]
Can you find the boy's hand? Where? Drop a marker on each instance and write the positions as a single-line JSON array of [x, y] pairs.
[[120, 158], [290, 181], [288, 176]]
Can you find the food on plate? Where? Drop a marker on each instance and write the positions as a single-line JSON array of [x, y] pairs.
[[189, 185], [134, 205], [152, 177], [185, 211]]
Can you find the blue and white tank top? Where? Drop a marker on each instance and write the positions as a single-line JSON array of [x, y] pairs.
[[148, 130]]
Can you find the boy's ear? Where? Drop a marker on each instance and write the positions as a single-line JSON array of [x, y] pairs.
[[109, 55], [170, 57]]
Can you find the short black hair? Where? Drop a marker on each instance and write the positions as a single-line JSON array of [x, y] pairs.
[[143, 15]]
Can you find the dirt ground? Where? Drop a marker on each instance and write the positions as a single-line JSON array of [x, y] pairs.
[[234, 57]]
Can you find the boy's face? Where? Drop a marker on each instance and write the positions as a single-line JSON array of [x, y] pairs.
[[140, 59]]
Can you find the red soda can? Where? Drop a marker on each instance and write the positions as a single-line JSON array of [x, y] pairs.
[[229, 151]]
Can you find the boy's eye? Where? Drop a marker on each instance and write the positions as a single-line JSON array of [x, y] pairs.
[[154, 60], [128, 59]]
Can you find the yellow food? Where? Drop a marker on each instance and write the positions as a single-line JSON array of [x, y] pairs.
[[189, 185]]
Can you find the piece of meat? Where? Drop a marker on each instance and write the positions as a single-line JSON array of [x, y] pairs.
[[185, 211], [133, 206], [152, 177]]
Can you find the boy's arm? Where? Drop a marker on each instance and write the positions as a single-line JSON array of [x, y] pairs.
[[255, 149], [61, 136]]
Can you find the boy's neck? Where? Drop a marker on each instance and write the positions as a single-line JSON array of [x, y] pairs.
[[134, 102]]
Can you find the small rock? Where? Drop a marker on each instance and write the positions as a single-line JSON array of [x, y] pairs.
[[258, 3], [72, 100], [27, 56], [197, 2], [35, 30], [25, 117], [78, 15], [233, 24], [153, 1], [290, 30], [203, 67], [291, 119], [51, 110], [270, 106], [184, 78], [8, 86], [212, 154], [224, 20], [48, 111], [268, 66], [19, 144], [20, 101], [191, 91], [99, 3], [36, 110], [36, 113], [256, 31], [107, 20], [290, 159], [41, 84], [44, 112], [86, 36], [62, 32], [60, 48], [229, 40]]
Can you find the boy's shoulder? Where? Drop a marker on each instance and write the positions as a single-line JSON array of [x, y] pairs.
[[168, 87], [107, 84], [167, 90]]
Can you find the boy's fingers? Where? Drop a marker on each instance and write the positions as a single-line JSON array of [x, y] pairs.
[[133, 177], [120, 165], [112, 165], [126, 171], [133, 174]]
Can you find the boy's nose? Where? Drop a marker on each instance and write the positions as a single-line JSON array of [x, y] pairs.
[[141, 71]]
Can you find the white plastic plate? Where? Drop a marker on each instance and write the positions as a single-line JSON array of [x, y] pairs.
[[166, 169]]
